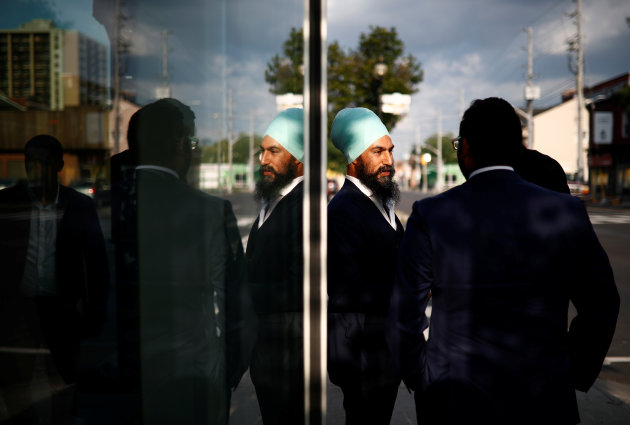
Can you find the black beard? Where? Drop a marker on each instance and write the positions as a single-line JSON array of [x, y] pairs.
[[384, 188], [269, 189]]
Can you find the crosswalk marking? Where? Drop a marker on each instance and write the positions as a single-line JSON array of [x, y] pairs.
[[598, 218], [613, 359]]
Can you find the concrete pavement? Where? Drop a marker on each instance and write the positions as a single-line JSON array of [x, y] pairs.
[[606, 403]]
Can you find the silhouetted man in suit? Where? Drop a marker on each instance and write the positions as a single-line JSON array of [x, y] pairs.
[[363, 238], [192, 333], [502, 258], [54, 273], [275, 272], [541, 169]]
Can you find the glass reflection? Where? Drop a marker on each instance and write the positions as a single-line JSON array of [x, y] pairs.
[[124, 85]]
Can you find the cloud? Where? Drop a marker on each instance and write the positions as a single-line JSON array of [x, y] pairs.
[[475, 48]]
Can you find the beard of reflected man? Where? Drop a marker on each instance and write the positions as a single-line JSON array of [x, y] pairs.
[[272, 181]]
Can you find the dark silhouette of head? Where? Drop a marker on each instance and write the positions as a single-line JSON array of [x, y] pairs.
[[160, 133], [43, 162], [491, 133]]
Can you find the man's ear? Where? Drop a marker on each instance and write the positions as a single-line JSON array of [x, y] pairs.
[[465, 158], [299, 167], [352, 168], [60, 166]]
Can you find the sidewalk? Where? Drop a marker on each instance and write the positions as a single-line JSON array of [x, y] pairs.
[[606, 403]]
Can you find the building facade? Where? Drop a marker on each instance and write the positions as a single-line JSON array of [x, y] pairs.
[[31, 64], [609, 144], [45, 67], [555, 134]]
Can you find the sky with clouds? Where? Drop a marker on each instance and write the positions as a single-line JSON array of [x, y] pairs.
[[468, 49]]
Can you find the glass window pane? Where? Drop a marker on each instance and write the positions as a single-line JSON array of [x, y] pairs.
[[155, 264]]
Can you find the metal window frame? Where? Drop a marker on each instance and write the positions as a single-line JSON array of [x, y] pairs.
[[315, 204]]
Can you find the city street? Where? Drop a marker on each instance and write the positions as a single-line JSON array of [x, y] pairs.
[[613, 228]]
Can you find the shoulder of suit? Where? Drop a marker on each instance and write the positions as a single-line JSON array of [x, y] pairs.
[[68, 194], [10, 193]]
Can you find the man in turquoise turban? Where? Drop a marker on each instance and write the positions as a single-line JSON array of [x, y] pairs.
[[275, 272], [363, 238]]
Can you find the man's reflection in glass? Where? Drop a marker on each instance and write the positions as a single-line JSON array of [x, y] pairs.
[[190, 268], [275, 272], [54, 285]]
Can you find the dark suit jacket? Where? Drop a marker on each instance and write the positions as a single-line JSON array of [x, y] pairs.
[[274, 257], [275, 268], [191, 273], [362, 252], [541, 169], [502, 258], [82, 273]]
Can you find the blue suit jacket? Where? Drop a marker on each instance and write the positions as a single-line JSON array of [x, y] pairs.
[[362, 251], [82, 276], [502, 258]]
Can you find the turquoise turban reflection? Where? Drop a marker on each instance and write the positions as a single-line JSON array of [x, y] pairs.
[[287, 128], [354, 130]]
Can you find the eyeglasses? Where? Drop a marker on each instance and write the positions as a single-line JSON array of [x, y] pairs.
[[194, 142], [455, 142]]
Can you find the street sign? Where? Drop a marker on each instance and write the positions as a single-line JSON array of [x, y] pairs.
[[603, 128], [162, 92], [395, 103], [532, 92], [289, 100]]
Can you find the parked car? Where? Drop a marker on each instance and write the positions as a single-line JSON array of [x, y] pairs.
[[333, 188], [98, 191], [86, 187], [7, 183], [579, 189]]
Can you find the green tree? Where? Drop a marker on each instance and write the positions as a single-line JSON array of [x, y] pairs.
[[284, 72], [622, 97], [240, 150], [351, 78], [449, 155]]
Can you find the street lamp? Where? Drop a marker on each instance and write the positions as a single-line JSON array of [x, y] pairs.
[[380, 69], [424, 160]]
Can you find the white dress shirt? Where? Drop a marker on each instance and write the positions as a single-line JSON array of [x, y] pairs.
[[39, 278], [269, 206], [491, 168], [389, 215]]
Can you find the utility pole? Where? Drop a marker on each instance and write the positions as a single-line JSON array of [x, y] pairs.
[[117, 49], [530, 78], [439, 182], [577, 68], [580, 90], [166, 90], [250, 175], [532, 92], [421, 162], [229, 185], [462, 107], [219, 136], [165, 57]]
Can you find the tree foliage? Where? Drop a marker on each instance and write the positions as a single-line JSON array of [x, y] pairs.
[[449, 155], [352, 81], [622, 97], [240, 150], [284, 72]]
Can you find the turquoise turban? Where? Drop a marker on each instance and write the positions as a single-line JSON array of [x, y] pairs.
[[354, 130], [287, 128]]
